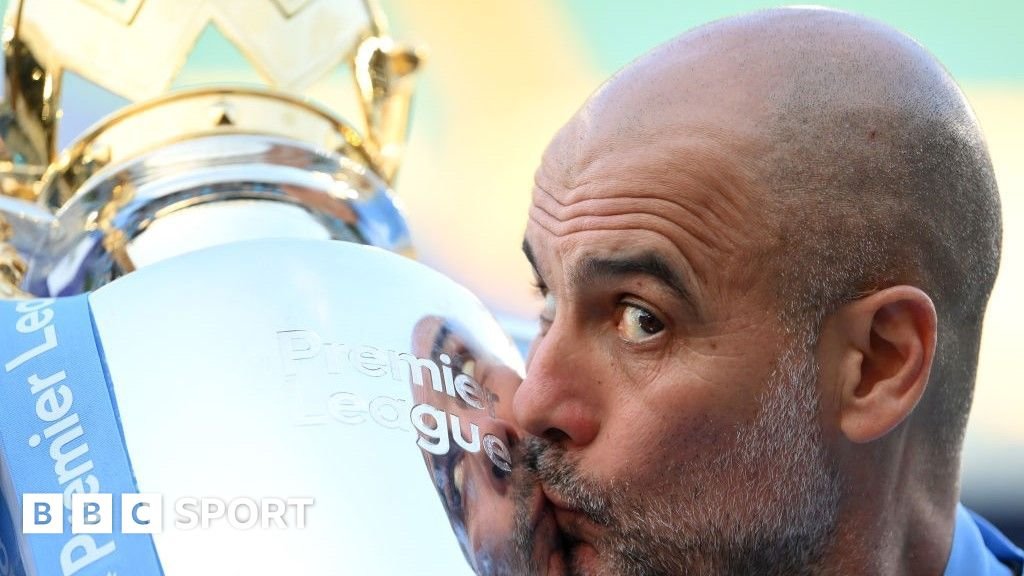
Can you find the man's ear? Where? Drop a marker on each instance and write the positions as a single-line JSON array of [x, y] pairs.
[[879, 352]]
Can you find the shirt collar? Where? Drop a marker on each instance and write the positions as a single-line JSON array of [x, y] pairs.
[[980, 549]]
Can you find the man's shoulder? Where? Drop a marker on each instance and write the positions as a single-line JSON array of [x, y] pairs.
[[979, 548]]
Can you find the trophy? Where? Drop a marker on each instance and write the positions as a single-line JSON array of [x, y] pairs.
[[217, 357], [170, 169]]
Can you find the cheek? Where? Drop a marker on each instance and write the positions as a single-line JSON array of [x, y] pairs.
[[678, 422], [660, 442]]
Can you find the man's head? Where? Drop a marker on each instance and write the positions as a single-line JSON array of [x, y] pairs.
[[759, 244]]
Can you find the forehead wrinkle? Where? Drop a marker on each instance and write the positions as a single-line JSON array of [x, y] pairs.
[[677, 212], [713, 226], [702, 172], [566, 233], [648, 224]]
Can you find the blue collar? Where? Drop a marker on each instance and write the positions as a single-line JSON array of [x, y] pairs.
[[979, 549]]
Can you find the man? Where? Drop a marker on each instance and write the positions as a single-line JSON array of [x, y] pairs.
[[765, 250]]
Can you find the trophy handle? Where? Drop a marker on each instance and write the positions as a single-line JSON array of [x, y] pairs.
[[384, 75], [33, 103]]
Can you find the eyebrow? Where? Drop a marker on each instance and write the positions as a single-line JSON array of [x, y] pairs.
[[644, 263]]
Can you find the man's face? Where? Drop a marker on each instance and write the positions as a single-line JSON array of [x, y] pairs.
[[675, 418]]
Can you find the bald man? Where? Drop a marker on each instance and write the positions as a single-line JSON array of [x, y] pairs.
[[765, 250]]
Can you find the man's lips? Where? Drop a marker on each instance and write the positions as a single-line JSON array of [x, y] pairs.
[[572, 522], [547, 541], [554, 497], [578, 537]]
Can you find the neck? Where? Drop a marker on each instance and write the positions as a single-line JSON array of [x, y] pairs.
[[896, 515]]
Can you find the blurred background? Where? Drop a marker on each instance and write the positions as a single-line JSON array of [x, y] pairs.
[[501, 77]]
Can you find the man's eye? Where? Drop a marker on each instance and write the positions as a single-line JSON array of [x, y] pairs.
[[638, 324]]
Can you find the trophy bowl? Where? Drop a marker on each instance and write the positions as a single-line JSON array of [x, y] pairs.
[[346, 411]]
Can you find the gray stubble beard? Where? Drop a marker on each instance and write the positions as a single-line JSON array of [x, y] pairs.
[[778, 474]]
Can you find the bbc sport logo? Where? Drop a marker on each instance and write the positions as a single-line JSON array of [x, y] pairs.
[[43, 513]]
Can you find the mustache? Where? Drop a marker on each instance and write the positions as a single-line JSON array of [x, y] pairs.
[[559, 473]]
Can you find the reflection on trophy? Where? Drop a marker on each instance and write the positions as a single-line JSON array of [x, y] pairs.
[[252, 398], [165, 169], [489, 497]]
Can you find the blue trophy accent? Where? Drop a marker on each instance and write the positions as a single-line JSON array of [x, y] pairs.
[[61, 435]]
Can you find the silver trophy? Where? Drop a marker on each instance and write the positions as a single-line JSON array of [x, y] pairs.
[[170, 169], [259, 393]]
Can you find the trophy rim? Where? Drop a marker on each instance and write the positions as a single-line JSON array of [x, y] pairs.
[[90, 154]]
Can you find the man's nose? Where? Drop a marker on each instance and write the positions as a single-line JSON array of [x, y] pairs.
[[557, 400]]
